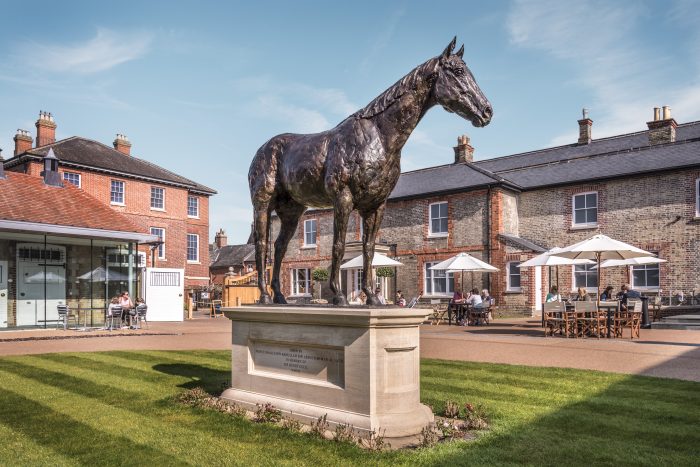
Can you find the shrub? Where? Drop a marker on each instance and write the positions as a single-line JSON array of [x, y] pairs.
[[267, 413], [195, 397], [291, 424], [320, 274], [320, 426], [475, 417], [451, 409], [428, 437], [385, 271], [376, 441], [344, 433]]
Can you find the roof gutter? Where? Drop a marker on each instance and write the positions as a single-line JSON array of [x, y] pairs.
[[70, 231]]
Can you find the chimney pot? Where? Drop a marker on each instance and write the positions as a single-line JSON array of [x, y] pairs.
[[667, 112], [463, 151], [585, 128], [657, 114], [220, 239], [122, 144]]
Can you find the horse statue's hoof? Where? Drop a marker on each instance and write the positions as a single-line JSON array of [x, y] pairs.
[[279, 299], [340, 300], [265, 300]]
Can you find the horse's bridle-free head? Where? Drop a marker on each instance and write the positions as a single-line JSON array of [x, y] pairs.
[[455, 88]]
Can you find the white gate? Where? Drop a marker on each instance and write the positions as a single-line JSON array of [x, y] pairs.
[[164, 292], [538, 291], [3, 294]]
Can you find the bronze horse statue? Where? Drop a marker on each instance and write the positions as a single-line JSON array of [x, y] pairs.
[[353, 166]]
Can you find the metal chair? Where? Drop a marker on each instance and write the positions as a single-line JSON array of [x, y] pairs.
[[141, 311], [64, 315], [114, 314]]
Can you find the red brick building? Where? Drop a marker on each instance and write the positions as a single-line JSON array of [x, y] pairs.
[[641, 188], [156, 200]]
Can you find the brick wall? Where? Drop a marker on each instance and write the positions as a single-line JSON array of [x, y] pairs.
[[173, 218]]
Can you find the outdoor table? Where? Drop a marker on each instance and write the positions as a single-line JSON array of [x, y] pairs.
[[610, 307], [87, 311], [456, 308]]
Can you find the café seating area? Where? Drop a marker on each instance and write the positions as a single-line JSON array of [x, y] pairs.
[[589, 319]]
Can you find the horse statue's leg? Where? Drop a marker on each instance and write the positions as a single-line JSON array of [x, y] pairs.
[[289, 212], [371, 222], [341, 213], [261, 212]]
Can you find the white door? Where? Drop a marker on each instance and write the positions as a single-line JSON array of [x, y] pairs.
[[31, 292], [3, 294], [538, 290], [164, 294]]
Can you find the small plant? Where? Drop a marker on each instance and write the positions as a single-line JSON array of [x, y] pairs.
[[344, 433], [376, 441], [428, 437], [451, 409], [267, 413], [385, 271], [291, 424], [320, 426], [195, 397], [319, 275], [475, 417], [448, 428]]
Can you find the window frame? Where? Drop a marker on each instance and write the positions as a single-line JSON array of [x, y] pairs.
[[315, 232], [189, 235], [509, 287], [161, 247], [162, 199], [196, 205], [645, 268], [429, 278], [431, 233], [77, 174], [294, 282], [112, 182], [584, 225], [590, 289]]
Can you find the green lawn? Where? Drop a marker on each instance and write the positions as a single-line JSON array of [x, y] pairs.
[[116, 408]]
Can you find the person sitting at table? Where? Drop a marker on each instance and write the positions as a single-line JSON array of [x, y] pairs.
[[631, 293], [553, 295], [486, 298], [607, 294], [400, 300], [126, 303], [474, 301], [111, 309], [380, 297], [581, 295], [455, 306]]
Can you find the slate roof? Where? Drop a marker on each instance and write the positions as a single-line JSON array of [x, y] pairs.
[[233, 255], [617, 156], [26, 198], [85, 152]]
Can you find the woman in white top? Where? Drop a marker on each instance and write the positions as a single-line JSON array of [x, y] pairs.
[[475, 299]]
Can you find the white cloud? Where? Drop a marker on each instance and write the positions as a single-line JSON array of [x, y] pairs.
[[104, 51], [599, 41], [299, 119]]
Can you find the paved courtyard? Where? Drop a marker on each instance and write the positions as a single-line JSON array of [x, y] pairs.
[[664, 353]]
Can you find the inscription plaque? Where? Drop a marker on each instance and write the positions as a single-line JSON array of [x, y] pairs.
[[322, 365]]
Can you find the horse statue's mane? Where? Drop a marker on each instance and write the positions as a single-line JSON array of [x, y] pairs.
[[383, 101]]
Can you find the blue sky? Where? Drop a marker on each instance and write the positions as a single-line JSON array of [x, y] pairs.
[[199, 86]]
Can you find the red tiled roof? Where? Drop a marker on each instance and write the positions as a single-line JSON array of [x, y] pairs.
[[26, 198]]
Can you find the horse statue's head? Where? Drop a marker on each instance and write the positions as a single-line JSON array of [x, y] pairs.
[[455, 88]]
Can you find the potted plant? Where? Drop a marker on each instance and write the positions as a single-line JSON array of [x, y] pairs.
[[319, 275]]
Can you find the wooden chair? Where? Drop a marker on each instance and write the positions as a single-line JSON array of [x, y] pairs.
[[439, 311], [655, 309], [587, 319], [215, 309], [626, 318], [554, 319]]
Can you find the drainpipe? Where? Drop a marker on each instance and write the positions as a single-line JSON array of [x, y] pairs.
[[488, 235]]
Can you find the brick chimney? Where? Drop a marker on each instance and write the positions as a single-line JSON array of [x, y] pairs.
[[663, 128], [122, 144], [45, 129], [23, 141], [463, 151], [220, 239], [584, 128]]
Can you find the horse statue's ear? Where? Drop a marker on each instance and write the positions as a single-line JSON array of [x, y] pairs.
[[460, 52], [450, 47]]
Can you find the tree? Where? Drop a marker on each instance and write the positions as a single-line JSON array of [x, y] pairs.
[[385, 271], [319, 275]]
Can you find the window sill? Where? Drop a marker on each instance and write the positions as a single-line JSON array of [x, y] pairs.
[[438, 235], [584, 226], [158, 209], [114, 203], [513, 291], [309, 247], [304, 295], [192, 217], [193, 262]]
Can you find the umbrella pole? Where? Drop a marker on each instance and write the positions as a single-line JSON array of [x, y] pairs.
[[600, 276], [558, 291]]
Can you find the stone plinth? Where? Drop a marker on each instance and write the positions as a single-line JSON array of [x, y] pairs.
[[357, 366]]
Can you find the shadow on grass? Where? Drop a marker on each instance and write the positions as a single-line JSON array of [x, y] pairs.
[[211, 380], [73, 439]]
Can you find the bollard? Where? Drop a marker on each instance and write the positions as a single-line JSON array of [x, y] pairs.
[[645, 313]]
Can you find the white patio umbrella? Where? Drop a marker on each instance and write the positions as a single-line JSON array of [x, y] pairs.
[[548, 259], [599, 248], [99, 274], [378, 261], [642, 260], [463, 262]]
